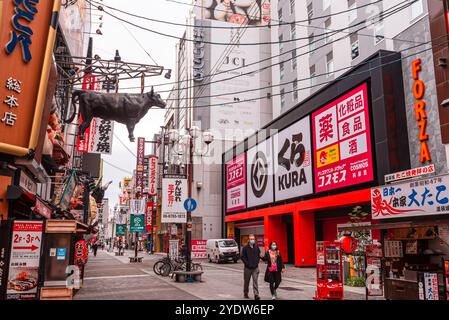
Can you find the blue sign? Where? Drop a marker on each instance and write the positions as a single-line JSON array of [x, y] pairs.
[[190, 204], [24, 12], [61, 253]]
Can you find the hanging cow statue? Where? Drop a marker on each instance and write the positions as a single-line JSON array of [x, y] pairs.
[[126, 108]]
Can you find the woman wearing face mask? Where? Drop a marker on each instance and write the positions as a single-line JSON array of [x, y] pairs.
[[275, 268]]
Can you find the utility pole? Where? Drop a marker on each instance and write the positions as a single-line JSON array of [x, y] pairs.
[[189, 213]]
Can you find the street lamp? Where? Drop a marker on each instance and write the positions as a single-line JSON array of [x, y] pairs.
[[189, 140]]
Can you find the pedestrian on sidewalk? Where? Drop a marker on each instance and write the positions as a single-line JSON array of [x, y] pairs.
[[120, 246], [275, 268], [95, 248], [251, 256]]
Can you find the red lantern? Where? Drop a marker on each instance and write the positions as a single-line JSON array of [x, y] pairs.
[[348, 244], [81, 252]]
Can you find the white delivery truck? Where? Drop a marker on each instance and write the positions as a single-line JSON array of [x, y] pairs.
[[220, 250]]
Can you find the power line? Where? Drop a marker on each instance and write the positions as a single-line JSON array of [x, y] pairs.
[[138, 42], [274, 64], [123, 144], [116, 167], [207, 42], [320, 84], [302, 79], [386, 13], [227, 27], [225, 52]]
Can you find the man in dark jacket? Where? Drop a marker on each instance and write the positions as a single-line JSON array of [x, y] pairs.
[[250, 257]]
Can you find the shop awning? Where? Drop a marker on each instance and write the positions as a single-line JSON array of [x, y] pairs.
[[18, 193], [396, 225], [65, 226]]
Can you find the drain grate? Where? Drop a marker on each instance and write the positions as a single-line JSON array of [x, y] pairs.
[[290, 289]]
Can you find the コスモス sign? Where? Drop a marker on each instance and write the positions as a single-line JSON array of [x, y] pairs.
[[235, 184]]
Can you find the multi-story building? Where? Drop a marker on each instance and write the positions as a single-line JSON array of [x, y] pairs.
[[358, 142], [36, 144], [204, 74], [332, 36]]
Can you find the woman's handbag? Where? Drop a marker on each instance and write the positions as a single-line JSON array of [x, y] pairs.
[[273, 268]]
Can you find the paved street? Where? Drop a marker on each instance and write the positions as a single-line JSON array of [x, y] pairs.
[[111, 277]]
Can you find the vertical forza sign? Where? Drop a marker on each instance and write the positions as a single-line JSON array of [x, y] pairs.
[[342, 142], [139, 166], [235, 184], [23, 276], [152, 176], [419, 89], [293, 166], [27, 36]]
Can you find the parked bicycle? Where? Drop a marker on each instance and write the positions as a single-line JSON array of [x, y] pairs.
[[166, 266]]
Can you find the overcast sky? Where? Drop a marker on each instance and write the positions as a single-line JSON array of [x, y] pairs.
[[162, 50]]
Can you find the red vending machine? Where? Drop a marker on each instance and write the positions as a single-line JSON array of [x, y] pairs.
[[329, 271]]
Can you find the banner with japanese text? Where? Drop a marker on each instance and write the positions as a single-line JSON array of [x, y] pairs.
[[97, 138], [409, 199], [198, 249], [235, 183], [23, 277], [139, 162], [137, 206], [152, 176], [27, 29], [342, 142], [174, 193], [137, 223]]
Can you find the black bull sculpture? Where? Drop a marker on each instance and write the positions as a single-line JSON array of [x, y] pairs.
[[126, 108]]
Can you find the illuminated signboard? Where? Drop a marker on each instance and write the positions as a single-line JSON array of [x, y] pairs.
[[27, 35], [419, 89], [342, 142], [235, 183]]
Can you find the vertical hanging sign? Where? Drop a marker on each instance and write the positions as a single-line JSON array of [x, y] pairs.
[[27, 36], [419, 89], [152, 176], [139, 165]]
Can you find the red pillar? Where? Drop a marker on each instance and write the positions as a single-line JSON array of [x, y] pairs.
[[304, 235], [275, 230]]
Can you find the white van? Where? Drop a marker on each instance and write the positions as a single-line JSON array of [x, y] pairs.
[[220, 250]]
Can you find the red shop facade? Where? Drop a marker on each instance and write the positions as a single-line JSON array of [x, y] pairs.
[[297, 179]]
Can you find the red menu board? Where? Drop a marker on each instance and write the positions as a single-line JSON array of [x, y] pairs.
[[342, 142], [235, 184]]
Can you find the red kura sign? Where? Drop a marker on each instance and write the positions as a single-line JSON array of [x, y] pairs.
[[342, 142], [81, 253]]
